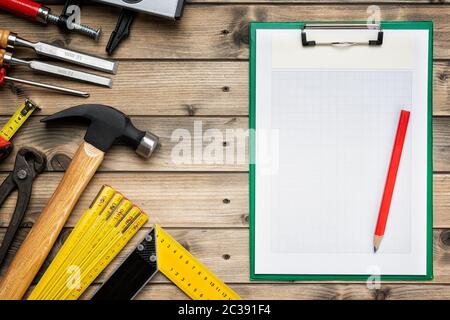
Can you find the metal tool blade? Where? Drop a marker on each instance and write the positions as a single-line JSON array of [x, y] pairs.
[[50, 87], [69, 73], [76, 57]]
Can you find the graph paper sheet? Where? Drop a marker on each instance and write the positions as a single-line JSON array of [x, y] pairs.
[[326, 120]]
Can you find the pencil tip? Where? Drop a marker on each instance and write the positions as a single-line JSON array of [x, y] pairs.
[[376, 243]]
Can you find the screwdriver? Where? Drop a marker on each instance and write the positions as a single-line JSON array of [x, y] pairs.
[[37, 12], [7, 59], [9, 39], [4, 77]]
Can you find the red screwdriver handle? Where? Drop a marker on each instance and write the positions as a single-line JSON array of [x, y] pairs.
[[26, 8], [2, 76]]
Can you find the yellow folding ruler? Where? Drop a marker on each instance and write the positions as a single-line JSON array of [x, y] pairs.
[[100, 234], [160, 252], [13, 124]]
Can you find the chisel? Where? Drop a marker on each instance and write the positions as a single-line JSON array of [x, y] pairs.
[[7, 59], [10, 39]]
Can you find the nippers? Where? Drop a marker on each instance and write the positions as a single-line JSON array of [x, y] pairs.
[[29, 163]]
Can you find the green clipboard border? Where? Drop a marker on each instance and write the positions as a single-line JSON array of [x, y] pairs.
[[410, 25]]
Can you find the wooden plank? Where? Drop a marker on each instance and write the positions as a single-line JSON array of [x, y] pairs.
[[150, 88], [171, 199], [441, 88], [226, 252], [181, 88], [210, 200], [219, 31], [441, 145], [311, 292], [441, 200], [305, 291], [60, 142]]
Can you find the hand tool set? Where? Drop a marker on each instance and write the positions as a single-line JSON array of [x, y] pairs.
[[106, 126], [111, 220], [29, 163], [13, 124], [10, 40], [37, 12], [100, 234]]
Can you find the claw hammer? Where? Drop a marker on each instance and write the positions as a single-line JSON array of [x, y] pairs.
[[106, 126]]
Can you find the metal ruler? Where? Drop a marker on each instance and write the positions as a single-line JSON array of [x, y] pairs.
[[160, 252], [100, 234]]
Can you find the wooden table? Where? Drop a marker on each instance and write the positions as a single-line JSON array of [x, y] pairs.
[[174, 74]]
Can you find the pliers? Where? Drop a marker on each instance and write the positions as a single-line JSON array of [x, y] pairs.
[[29, 163]]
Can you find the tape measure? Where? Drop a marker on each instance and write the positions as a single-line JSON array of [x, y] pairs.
[[100, 234], [13, 124], [161, 252]]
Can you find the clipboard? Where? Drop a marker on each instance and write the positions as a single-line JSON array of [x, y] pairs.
[[305, 37]]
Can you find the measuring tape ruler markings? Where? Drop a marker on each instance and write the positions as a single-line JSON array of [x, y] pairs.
[[97, 206], [107, 255], [159, 251], [13, 124], [189, 274], [97, 255], [128, 234], [17, 120], [118, 216], [89, 242], [62, 260], [107, 232], [59, 280]]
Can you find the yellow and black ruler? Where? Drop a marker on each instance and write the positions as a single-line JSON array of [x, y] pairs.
[[13, 124], [160, 252], [102, 232]]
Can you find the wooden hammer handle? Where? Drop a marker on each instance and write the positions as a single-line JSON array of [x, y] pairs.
[[43, 234]]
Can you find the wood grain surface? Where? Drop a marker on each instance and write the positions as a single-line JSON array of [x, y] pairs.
[[187, 88], [225, 250], [194, 72], [217, 31]]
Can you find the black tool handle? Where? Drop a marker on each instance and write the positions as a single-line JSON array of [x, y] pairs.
[[5, 151], [23, 199]]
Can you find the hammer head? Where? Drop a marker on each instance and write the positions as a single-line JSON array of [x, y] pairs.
[[108, 125]]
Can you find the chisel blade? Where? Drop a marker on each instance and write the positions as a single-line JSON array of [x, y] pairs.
[[76, 57], [71, 74]]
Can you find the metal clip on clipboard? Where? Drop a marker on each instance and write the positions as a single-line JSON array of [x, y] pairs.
[[348, 26]]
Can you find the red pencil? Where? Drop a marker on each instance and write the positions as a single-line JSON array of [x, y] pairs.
[[390, 180]]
